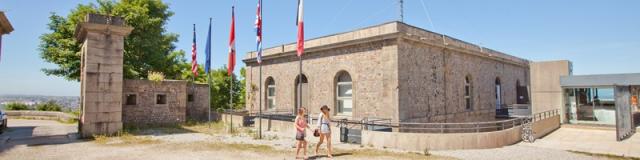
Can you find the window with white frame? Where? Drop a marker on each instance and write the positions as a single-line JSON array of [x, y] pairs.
[[344, 94], [467, 93], [271, 93]]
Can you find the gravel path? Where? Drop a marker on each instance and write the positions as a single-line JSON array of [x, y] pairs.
[[518, 151], [190, 144]]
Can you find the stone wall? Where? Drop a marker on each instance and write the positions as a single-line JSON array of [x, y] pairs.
[[370, 65], [146, 111], [198, 107], [433, 78], [398, 72]]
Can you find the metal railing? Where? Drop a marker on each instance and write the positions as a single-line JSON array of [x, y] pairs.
[[371, 123], [469, 127], [545, 114]]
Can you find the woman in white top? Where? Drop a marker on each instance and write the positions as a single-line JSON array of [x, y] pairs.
[[324, 126]]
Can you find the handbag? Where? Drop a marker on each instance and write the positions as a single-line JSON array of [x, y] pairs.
[[316, 133]]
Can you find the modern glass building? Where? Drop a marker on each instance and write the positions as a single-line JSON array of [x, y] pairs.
[[609, 99], [591, 99]]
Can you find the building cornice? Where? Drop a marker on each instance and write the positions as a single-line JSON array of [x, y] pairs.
[[391, 30], [5, 25]]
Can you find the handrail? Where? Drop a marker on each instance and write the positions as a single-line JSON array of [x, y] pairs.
[[467, 127]]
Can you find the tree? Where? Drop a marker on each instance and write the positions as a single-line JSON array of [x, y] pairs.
[[49, 106], [148, 48], [220, 90], [16, 106]]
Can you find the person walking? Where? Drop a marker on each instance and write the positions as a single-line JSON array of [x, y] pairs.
[[324, 127], [301, 126]]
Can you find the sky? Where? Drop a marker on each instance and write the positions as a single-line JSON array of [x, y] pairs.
[[598, 36]]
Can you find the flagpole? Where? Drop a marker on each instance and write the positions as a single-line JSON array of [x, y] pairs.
[[209, 93], [231, 101], [260, 75], [207, 69], [260, 104], [299, 85]]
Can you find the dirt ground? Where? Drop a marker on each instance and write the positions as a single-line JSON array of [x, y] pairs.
[[34, 139], [39, 139]]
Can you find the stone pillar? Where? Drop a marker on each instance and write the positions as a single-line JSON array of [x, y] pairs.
[[101, 73]]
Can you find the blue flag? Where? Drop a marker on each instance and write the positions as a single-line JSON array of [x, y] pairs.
[[207, 50]]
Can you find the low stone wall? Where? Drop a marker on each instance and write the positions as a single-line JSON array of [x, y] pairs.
[[419, 142], [545, 126], [282, 128], [45, 115]]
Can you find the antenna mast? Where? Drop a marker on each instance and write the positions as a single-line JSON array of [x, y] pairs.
[[401, 9]]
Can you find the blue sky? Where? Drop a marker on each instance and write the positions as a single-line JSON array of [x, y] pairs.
[[598, 36]]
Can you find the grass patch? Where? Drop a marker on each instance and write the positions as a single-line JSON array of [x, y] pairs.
[[608, 156], [123, 138]]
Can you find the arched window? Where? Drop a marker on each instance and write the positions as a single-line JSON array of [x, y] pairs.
[[468, 93], [498, 94], [301, 84], [344, 94], [271, 93]]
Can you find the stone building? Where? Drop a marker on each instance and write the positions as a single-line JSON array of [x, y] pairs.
[[168, 102], [391, 71], [108, 101]]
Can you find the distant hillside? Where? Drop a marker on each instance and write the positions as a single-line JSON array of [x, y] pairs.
[[68, 102]]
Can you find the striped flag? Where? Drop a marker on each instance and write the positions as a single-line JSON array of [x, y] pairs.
[[300, 24], [207, 50], [194, 63], [232, 44], [259, 31]]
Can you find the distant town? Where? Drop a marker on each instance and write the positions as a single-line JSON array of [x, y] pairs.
[[67, 102]]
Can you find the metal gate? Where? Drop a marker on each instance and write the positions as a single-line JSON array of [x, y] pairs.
[[624, 122]]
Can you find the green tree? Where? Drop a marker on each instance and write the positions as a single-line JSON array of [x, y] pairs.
[[16, 106], [49, 106], [148, 48], [220, 87]]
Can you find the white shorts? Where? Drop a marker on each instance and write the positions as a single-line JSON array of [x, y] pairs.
[[324, 129]]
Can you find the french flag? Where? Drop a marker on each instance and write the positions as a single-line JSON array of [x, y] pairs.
[[300, 24]]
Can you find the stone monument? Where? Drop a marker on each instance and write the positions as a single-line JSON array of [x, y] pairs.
[[101, 74]]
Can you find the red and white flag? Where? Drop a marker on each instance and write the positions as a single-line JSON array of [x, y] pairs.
[[194, 63], [300, 24], [232, 44]]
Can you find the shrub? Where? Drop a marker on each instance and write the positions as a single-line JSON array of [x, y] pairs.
[[16, 106], [156, 77], [49, 106]]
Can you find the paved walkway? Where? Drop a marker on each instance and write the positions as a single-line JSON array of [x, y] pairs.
[[590, 140], [36, 132]]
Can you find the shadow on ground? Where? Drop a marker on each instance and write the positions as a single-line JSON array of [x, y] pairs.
[[23, 135]]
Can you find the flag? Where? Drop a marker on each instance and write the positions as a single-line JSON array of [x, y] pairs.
[[207, 50], [259, 31], [232, 44], [194, 63], [300, 24]]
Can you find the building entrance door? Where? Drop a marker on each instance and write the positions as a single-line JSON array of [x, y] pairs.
[[303, 85]]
